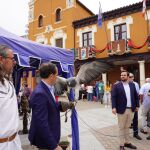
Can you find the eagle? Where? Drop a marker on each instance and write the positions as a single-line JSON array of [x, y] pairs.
[[86, 74]]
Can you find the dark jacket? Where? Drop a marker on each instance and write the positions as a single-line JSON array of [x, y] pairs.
[[119, 100], [45, 124]]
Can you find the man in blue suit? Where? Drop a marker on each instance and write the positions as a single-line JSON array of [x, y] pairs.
[[124, 103], [44, 131], [135, 118]]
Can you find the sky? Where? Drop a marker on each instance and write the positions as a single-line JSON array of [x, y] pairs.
[[14, 13]]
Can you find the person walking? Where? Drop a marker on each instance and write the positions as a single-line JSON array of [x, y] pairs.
[[9, 116], [148, 125], [26, 91], [124, 104], [97, 91], [135, 118], [145, 101], [89, 89], [107, 94], [44, 131], [101, 91]]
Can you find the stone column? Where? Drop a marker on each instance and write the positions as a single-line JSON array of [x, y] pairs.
[[142, 72], [104, 78]]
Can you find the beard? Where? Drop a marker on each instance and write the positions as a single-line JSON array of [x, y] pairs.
[[124, 80]]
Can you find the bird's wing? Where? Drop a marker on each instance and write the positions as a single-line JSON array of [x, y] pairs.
[[60, 86], [91, 70]]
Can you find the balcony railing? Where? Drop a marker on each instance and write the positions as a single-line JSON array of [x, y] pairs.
[[119, 47]]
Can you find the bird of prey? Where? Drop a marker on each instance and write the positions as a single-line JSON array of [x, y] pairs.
[[87, 73]]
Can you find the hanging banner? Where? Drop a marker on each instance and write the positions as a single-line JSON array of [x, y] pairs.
[[118, 47], [83, 53]]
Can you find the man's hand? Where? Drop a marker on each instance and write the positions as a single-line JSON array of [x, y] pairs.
[[114, 111], [71, 105], [141, 101], [137, 109], [58, 148], [141, 98]]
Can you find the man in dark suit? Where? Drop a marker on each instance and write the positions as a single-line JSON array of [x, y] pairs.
[[44, 131], [124, 103], [135, 118]]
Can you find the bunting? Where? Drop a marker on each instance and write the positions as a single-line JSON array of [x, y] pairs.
[[130, 44]]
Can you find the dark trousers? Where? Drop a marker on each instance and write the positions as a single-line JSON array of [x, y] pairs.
[[148, 119], [135, 123], [82, 92]]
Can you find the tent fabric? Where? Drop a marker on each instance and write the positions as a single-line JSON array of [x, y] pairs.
[[74, 125], [74, 118], [26, 49]]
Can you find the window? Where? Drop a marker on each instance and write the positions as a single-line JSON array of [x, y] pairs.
[[120, 32], [87, 39], [59, 43], [58, 14], [40, 21], [42, 42]]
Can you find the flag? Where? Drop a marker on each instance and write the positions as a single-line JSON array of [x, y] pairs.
[[100, 17], [144, 7]]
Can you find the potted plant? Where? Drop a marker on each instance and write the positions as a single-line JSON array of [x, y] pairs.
[[64, 144]]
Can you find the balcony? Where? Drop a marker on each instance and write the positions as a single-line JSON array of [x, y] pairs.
[[119, 47], [83, 53]]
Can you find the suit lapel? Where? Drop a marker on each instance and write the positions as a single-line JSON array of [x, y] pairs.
[[122, 89], [130, 86], [49, 94]]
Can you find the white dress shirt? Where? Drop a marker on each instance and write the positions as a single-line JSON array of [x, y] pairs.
[[128, 94], [144, 91]]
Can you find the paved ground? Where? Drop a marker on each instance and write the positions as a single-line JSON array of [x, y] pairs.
[[98, 129]]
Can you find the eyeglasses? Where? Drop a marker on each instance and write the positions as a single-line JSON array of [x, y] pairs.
[[130, 76], [12, 58]]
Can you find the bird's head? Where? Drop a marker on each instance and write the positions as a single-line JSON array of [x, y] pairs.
[[71, 82]]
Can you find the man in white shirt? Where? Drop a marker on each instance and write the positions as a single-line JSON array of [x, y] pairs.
[[89, 92], [9, 118], [145, 101], [124, 104]]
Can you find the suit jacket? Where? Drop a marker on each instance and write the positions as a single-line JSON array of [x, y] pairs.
[[45, 124], [119, 100]]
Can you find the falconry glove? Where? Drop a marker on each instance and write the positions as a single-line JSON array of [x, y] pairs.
[[66, 105]]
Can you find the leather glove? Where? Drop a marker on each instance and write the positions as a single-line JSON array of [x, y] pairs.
[[67, 105]]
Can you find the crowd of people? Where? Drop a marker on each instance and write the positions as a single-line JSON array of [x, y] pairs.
[[96, 92], [125, 96]]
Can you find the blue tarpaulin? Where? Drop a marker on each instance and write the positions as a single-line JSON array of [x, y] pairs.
[[74, 125], [74, 119], [26, 49]]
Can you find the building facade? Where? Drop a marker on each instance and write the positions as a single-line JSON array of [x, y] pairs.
[[123, 39], [50, 22]]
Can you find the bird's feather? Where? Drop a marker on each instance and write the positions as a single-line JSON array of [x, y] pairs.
[[60, 86], [87, 73], [91, 71]]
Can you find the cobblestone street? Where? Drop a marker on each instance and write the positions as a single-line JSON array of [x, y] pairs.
[[98, 129]]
